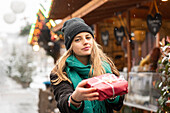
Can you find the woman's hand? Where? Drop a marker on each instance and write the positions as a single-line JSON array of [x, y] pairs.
[[81, 93]]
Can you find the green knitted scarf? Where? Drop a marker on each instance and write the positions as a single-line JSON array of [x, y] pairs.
[[76, 72]]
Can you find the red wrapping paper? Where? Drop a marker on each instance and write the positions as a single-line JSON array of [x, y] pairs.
[[108, 85]]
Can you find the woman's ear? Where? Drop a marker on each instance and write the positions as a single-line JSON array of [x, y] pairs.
[[71, 50]]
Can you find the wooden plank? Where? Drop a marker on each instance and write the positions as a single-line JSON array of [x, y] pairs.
[[127, 0], [157, 39], [88, 8], [119, 4], [129, 54], [92, 5], [111, 12], [62, 8]]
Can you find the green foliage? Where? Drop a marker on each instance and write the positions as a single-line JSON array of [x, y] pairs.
[[25, 31], [164, 84], [20, 67]]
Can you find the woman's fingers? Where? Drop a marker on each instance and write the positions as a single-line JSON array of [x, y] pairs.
[[85, 93], [82, 83], [92, 96], [89, 95], [88, 90], [81, 87]]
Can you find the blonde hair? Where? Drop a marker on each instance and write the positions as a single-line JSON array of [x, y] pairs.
[[96, 58]]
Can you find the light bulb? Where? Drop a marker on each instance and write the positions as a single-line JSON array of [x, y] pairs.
[[164, 0]]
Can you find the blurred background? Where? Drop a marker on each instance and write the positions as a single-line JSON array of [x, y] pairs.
[[135, 34], [22, 69]]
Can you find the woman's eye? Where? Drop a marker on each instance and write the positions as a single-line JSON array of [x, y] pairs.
[[76, 40], [88, 37]]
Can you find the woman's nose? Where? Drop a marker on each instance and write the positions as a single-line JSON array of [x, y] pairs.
[[85, 41]]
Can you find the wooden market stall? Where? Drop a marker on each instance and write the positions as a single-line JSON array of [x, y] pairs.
[[93, 11]]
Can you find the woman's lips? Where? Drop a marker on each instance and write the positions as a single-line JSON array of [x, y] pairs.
[[86, 48]]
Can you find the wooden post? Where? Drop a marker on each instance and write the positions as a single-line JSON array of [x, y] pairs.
[[129, 54], [157, 39], [96, 33]]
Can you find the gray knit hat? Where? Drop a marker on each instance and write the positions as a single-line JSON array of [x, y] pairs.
[[72, 27]]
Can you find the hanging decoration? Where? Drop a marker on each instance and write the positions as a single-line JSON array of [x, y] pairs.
[[18, 6], [119, 34], [154, 23], [126, 35], [105, 37], [9, 18]]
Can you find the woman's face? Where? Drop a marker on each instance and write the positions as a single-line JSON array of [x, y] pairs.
[[82, 44]]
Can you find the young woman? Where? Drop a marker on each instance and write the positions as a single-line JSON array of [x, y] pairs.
[[83, 59]]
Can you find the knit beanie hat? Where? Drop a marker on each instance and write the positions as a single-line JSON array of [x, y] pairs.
[[72, 27]]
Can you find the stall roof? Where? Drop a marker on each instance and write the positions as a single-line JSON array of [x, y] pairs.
[[93, 11], [62, 8]]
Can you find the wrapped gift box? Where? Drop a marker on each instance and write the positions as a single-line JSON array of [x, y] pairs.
[[108, 85]]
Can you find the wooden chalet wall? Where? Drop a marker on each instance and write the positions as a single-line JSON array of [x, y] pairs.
[[114, 51]]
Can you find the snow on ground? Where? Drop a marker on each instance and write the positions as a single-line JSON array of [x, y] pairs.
[[15, 99]]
